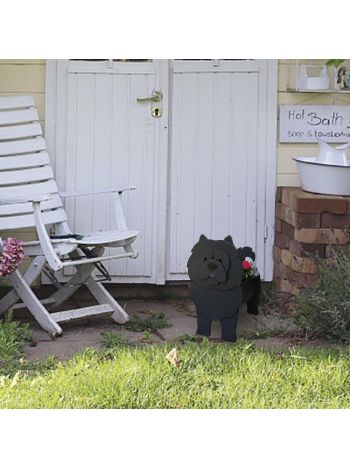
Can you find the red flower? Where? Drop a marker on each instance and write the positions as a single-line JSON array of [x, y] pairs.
[[246, 265]]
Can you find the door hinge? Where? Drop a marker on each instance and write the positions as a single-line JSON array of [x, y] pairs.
[[266, 232]]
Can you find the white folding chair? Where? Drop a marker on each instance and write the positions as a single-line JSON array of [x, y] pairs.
[[29, 197]]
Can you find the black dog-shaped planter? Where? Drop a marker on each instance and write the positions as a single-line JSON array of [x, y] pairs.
[[217, 286]]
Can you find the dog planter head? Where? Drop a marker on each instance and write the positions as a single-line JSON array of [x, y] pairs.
[[216, 272]]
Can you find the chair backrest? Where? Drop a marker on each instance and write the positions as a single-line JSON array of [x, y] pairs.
[[24, 165]]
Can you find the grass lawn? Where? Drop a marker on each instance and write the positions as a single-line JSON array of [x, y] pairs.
[[208, 376]]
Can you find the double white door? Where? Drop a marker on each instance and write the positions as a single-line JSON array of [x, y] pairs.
[[192, 135]]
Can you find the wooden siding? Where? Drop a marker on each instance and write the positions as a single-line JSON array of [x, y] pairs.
[[23, 77], [287, 174]]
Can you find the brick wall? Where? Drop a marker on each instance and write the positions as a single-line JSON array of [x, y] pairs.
[[306, 224]]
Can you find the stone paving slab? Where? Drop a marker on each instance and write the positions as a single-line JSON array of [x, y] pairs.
[[180, 316]]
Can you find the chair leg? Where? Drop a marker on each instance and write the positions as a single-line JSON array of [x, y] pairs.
[[30, 276], [79, 279], [103, 296], [33, 304], [84, 275]]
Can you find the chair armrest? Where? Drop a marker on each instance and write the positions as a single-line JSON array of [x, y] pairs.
[[26, 199], [96, 192]]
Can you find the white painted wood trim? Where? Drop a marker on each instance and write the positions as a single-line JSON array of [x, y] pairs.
[[161, 167], [229, 66], [96, 192], [270, 165], [82, 313], [143, 68], [50, 109], [33, 304], [44, 239]]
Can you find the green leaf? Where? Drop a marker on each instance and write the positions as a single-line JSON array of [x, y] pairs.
[[336, 62]]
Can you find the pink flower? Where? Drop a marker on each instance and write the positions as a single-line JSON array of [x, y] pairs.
[[246, 265], [11, 255]]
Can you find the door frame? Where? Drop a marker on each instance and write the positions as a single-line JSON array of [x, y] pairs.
[[55, 89]]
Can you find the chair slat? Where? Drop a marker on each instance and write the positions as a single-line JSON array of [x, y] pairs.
[[27, 220], [16, 102], [24, 161], [18, 116], [20, 131], [16, 177], [26, 208], [22, 146], [31, 189]]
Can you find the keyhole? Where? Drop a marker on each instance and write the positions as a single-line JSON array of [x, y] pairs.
[[156, 112]]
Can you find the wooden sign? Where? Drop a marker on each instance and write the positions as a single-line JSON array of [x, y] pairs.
[[306, 123]]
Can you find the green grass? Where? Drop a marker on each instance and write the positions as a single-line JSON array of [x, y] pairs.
[[13, 337], [209, 376]]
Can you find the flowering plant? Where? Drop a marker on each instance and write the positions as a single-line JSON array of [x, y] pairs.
[[11, 255], [249, 268]]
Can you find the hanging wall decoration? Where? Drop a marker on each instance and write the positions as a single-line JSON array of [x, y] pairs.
[[222, 278]]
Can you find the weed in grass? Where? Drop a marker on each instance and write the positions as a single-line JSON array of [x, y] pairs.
[[111, 340], [324, 310], [186, 338], [13, 337], [156, 321]]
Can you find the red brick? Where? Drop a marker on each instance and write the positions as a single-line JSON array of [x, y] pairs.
[[300, 264], [288, 194], [282, 240], [301, 279], [304, 249], [318, 205], [284, 285], [278, 225], [284, 213], [299, 220], [309, 221], [279, 194], [280, 270], [303, 202], [276, 253], [327, 236], [286, 257], [335, 221], [287, 229]]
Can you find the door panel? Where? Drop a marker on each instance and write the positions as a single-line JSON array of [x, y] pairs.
[[213, 160], [112, 140]]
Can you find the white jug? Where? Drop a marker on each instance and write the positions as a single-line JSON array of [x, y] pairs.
[[332, 156]]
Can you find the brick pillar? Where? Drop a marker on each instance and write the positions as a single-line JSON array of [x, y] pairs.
[[306, 223]]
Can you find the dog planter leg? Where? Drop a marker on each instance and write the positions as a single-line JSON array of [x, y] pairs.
[[228, 328], [216, 286], [203, 325]]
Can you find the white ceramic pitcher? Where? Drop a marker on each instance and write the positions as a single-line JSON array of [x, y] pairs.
[[332, 156]]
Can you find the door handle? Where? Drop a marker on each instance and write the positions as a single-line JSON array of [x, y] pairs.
[[157, 96]]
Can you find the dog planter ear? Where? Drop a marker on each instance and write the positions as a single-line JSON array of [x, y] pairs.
[[217, 287]]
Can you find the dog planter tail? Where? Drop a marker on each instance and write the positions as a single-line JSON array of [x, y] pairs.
[[217, 287]]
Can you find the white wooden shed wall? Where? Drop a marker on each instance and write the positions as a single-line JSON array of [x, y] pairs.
[[206, 166]]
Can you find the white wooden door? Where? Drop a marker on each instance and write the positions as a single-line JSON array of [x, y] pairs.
[[218, 165], [105, 138], [213, 173]]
